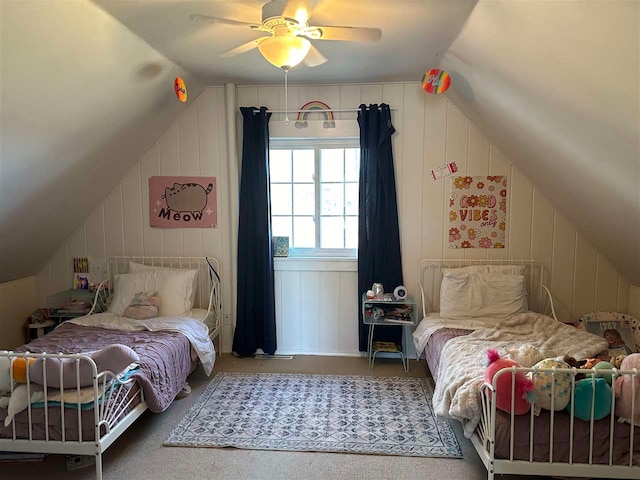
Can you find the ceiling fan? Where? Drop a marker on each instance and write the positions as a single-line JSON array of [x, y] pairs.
[[288, 35]]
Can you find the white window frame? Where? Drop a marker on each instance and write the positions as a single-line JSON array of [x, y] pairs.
[[317, 144]]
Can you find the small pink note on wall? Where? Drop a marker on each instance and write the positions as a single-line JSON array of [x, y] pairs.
[[183, 202]]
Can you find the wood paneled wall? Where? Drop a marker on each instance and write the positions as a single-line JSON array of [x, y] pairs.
[[194, 145], [318, 312]]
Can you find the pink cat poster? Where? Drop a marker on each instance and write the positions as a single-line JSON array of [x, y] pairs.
[[183, 202]]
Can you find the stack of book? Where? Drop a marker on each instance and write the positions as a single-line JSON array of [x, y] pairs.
[[74, 307], [386, 347]]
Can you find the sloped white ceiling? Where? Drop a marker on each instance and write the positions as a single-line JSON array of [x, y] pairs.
[[86, 88], [82, 99], [557, 86]]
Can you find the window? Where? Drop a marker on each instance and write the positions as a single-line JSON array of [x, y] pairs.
[[314, 195]]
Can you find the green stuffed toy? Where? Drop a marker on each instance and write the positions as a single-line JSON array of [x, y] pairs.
[[583, 394]]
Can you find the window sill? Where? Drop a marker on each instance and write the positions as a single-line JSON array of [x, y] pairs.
[[324, 264]]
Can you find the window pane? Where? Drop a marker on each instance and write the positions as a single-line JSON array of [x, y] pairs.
[[331, 165], [351, 164], [303, 167], [351, 232], [280, 199], [332, 201], [304, 232], [281, 226], [332, 232], [280, 165], [304, 202], [312, 177], [351, 200]]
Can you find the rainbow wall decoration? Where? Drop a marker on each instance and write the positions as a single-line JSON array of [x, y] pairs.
[[307, 108]]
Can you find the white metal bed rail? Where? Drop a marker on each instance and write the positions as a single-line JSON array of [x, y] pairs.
[[430, 277], [114, 404], [484, 437]]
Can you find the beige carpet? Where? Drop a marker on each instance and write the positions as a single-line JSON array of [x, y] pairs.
[[139, 454]]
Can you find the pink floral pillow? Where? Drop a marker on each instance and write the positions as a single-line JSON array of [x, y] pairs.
[[143, 306]]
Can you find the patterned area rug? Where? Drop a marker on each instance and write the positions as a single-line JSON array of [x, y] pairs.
[[320, 413]]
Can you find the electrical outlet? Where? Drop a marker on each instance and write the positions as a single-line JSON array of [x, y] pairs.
[[227, 319]]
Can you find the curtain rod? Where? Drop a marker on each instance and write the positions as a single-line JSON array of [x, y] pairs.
[[336, 110]]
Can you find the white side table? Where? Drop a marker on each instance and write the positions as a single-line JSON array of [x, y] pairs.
[[39, 327], [385, 311]]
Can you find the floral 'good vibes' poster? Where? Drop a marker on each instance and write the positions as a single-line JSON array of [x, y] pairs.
[[478, 212]]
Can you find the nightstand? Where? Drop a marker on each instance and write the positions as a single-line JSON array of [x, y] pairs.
[[386, 310], [73, 303]]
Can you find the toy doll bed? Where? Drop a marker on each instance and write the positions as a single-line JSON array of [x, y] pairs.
[[121, 365], [497, 313]]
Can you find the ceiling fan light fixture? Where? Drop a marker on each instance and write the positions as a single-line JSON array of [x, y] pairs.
[[284, 51]]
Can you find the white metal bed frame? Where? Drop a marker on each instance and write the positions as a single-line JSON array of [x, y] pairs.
[[117, 409], [484, 437], [208, 286], [430, 278]]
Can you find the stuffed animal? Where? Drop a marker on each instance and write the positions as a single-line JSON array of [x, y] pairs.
[[572, 361], [606, 373], [617, 360], [623, 390], [589, 363], [544, 382], [19, 368], [583, 398], [523, 386], [527, 355], [5, 376]]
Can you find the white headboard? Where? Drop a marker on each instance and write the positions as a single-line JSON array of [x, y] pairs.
[[430, 278], [208, 285]]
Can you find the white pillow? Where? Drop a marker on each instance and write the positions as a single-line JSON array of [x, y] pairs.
[[174, 290], [139, 267], [126, 286], [469, 295], [503, 269]]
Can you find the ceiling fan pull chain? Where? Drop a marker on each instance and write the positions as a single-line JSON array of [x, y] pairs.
[[286, 97]]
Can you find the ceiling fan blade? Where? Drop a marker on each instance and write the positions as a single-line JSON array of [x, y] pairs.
[[299, 9], [226, 21], [314, 57], [245, 47], [353, 34]]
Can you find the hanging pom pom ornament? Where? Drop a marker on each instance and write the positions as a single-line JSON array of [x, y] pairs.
[[180, 89], [436, 81]]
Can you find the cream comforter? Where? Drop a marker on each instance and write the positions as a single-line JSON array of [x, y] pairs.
[[462, 361]]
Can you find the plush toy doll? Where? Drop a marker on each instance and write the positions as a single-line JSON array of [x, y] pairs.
[[606, 374], [617, 361], [583, 395], [623, 389], [19, 367], [590, 363], [546, 382], [523, 386], [527, 355], [5, 374]]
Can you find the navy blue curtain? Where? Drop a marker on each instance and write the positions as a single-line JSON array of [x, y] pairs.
[[256, 311], [378, 233]]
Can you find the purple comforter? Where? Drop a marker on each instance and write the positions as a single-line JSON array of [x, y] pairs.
[[165, 357]]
